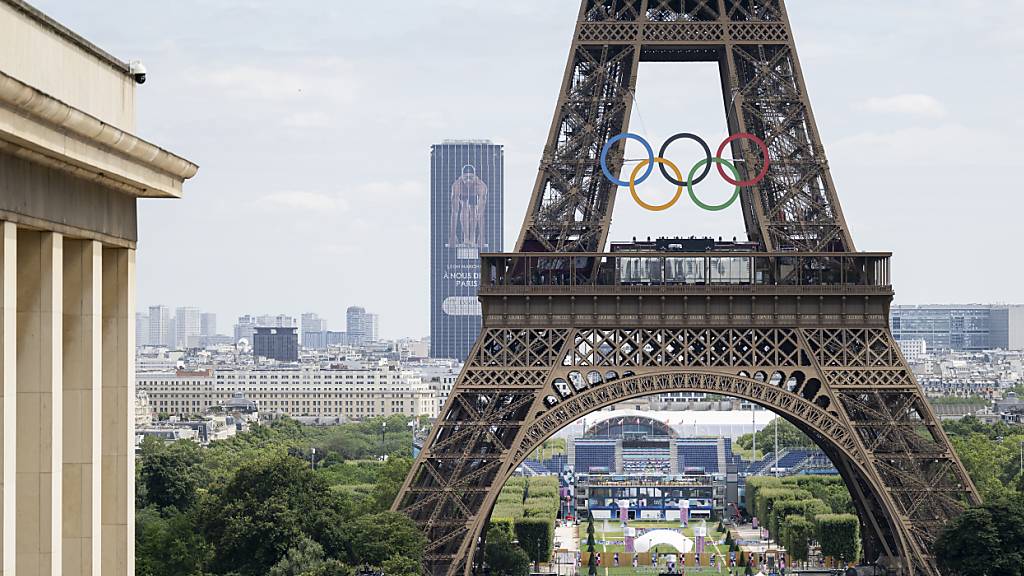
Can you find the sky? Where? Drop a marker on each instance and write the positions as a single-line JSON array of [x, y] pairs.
[[312, 124]]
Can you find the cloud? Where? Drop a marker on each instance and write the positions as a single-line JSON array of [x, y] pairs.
[[944, 146], [907, 104], [390, 192], [293, 82], [303, 201]]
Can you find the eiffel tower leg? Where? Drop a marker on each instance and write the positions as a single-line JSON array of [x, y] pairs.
[[848, 389]]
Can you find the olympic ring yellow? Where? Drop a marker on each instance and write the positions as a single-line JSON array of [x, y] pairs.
[[653, 207]]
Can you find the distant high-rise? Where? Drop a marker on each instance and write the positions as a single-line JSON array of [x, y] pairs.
[[276, 320], [960, 327], [370, 328], [207, 324], [159, 325], [277, 343], [141, 329], [244, 328], [466, 218], [313, 330], [355, 324], [186, 327]]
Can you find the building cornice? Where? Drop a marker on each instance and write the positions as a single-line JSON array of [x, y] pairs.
[[79, 142]]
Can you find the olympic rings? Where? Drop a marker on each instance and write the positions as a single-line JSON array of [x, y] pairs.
[[653, 207], [608, 146], [692, 178], [764, 151], [706, 164], [698, 140]]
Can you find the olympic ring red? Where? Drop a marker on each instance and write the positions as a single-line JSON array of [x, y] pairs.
[[764, 151]]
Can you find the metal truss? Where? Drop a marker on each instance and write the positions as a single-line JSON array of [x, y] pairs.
[[794, 208], [564, 336], [847, 388]]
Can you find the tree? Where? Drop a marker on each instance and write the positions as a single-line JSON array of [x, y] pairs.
[[754, 485], [838, 499], [789, 437], [399, 565], [987, 540], [797, 532], [537, 538], [767, 497], [376, 538], [264, 511], [592, 561], [503, 557], [506, 525], [389, 481], [306, 556], [167, 544], [981, 457], [782, 510], [169, 473], [839, 536]]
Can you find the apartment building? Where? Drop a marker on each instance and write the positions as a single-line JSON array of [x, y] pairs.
[[383, 389]]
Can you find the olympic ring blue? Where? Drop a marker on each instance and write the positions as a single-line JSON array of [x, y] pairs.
[[608, 147]]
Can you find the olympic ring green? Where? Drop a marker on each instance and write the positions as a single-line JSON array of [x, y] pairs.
[[712, 207]]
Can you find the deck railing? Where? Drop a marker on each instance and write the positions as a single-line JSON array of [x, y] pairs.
[[685, 269]]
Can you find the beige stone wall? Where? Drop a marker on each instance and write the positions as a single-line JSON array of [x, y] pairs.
[[66, 375], [38, 55]]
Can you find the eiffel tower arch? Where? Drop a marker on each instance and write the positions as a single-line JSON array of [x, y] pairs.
[[798, 325]]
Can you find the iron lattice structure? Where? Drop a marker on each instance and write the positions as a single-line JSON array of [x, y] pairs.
[[802, 330]]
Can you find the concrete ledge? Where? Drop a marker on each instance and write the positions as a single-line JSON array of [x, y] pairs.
[[36, 121]]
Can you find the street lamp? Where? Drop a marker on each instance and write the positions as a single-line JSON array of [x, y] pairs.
[[383, 432]]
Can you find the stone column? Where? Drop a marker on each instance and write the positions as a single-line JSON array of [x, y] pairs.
[[118, 413], [39, 407], [8, 379], [82, 400]]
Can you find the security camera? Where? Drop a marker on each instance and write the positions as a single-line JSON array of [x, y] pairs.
[[138, 72]]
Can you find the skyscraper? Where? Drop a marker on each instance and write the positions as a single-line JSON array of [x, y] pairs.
[[466, 211], [313, 330], [276, 320], [370, 328], [281, 344], [141, 329], [355, 320], [186, 327], [246, 325], [159, 325], [244, 328], [207, 324]]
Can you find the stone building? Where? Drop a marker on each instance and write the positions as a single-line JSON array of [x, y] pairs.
[[71, 171]]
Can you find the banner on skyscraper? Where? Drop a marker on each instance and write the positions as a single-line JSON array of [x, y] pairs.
[[466, 189]]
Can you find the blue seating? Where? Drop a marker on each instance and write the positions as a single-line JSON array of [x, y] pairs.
[[693, 455], [594, 454]]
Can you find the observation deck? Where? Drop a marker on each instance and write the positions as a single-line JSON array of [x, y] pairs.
[[672, 289]]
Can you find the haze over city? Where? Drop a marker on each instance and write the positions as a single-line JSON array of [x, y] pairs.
[[314, 147]]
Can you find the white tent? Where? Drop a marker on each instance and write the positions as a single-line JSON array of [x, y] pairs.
[[681, 543]]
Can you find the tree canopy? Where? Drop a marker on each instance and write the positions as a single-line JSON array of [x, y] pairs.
[[985, 541], [257, 503]]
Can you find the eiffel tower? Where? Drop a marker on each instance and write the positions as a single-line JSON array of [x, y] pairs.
[[801, 329]]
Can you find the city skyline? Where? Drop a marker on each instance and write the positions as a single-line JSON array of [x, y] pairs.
[[744, 369], [892, 141]]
